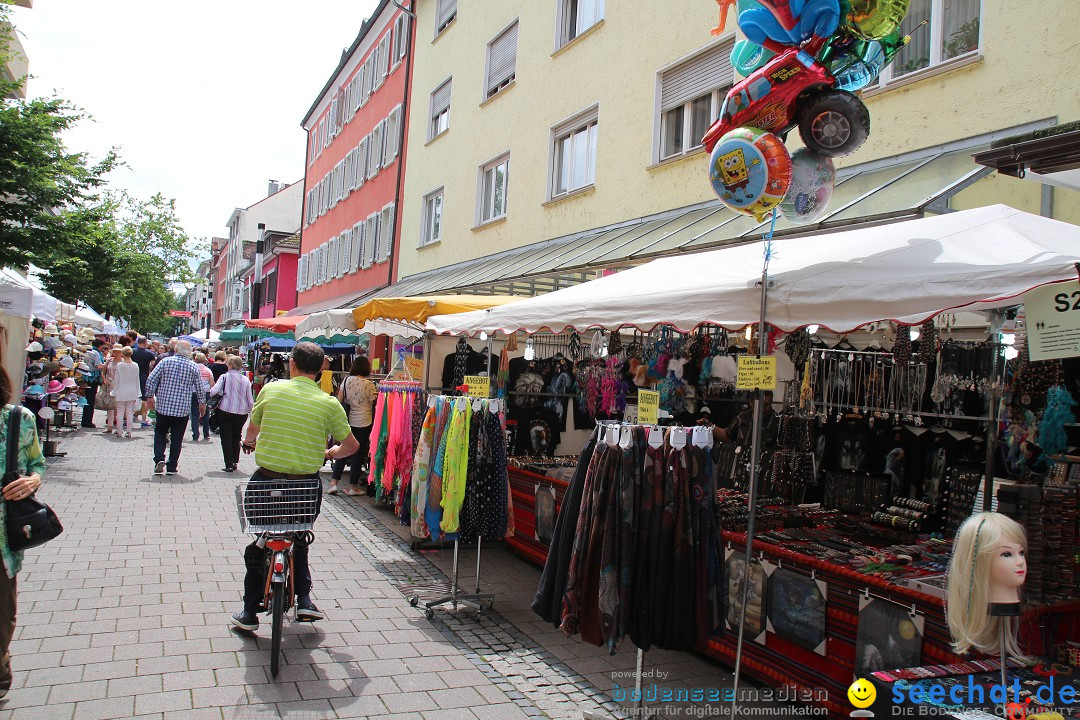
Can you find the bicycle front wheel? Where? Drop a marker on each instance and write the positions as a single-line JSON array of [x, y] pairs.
[[278, 606]]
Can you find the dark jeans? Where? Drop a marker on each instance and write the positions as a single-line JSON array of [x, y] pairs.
[[231, 427], [358, 459], [196, 421], [91, 398], [256, 558], [173, 428]]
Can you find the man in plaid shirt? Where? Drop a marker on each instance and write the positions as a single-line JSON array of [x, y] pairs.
[[169, 389]]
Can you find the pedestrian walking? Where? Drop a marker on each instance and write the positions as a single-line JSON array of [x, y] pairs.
[[96, 363], [31, 469], [232, 412], [288, 429], [220, 365], [143, 357], [199, 418], [357, 394], [170, 386], [107, 401], [126, 391]]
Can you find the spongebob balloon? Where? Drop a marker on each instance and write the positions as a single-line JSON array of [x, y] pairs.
[[750, 171]]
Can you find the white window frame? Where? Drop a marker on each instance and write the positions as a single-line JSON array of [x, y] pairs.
[[445, 14], [570, 10], [437, 112], [372, 235], [391, 132], [937, 47], [357, 247], [386, 233], [362, 161], [401, 39], [434, 199], [378, 66], [301, 266], [494, 84], [585, 119], [376, 149], [491, 166], [705, 72]]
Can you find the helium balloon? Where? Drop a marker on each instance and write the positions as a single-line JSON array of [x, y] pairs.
[[874, 19], [788, 22], [750, 171], [812, 180], [746, 57]]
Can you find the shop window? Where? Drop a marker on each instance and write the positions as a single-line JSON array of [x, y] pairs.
[[691, 93], [941, 31], [440, 110], [577, 16], [432, 220], [573, 153], [492, 192]]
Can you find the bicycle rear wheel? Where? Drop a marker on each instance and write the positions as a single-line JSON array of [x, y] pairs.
[[278, 607]]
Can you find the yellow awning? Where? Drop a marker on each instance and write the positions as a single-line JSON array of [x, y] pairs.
[[418, 309]]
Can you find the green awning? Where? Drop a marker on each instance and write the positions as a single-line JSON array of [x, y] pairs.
[[235, 334]]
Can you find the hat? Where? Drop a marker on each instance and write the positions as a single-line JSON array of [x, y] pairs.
[[117, 348], [86, 335], [63, 405], [83, 367], [34, 347], [69, 382], [51, 330], [67, 362], [55, 386], [69, 338], [34, 391]]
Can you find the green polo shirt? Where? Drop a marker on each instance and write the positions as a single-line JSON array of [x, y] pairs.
[[294, 417]]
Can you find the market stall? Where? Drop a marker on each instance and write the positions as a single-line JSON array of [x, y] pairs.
[[827, 584]]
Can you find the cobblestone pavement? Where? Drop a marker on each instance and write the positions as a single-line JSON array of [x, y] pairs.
[[125, 615]]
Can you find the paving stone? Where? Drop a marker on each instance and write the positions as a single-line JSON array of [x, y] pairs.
[[162, 701]]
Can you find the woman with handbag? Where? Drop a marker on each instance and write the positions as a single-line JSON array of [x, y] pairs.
[[231, 397], [106, 400], [126, 390], [357, 394], [199, 418], [21, 481]]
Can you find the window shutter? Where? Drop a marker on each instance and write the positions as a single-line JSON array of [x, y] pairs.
[[361, 162], [392, 135], [300, 273], [444, 13], [386, 233], [377, 61], [700, 74], [502, 57], [401, 37], [357, 246], [375, 150], [440, 99], [370, 238]]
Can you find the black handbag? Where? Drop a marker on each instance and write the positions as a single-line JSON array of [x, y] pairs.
[[212, 401], [345, 393], [30, 522]]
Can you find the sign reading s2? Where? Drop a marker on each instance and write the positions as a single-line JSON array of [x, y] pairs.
[[1061, 301]]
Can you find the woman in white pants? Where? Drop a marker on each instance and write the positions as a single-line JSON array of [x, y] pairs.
[[126, 391]]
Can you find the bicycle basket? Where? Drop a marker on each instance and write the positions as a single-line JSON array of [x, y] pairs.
[[278, 505]]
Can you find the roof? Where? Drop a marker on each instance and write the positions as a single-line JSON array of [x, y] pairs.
[[1052, 153], [347, 53]]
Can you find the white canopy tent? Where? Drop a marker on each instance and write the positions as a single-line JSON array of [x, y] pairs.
[[339, 325], [16, 308], [86, 315], [907, 271]]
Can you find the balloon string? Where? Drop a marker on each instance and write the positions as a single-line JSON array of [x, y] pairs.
[[768, 240]]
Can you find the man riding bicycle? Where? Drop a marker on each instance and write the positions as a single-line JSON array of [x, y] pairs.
[[291, 421]]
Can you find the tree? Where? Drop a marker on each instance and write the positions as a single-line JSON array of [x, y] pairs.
[[39, 176], [126, 254]]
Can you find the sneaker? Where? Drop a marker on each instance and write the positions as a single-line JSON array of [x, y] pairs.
[[244, 621], [333, 489], [128, 435], [306, 610], [159, 468], [173, 472]]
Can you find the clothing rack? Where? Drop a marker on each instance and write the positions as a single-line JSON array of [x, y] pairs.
[[453, 594]]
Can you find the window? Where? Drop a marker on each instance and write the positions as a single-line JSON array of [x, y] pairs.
[[372, 235], [378, 66], [691, 94], [357, 247], [390, 149], [573, 155], [492, 193], [271, 287], [440, 110], [431, 230], [376, 149], [358, 91], [362, 161], [501, 61], [301, 271], [386, 234], [445, 12], [951, 31], [350, 171], [401, 38], [577, 16]]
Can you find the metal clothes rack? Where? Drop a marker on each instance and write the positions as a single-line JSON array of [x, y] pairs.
[[452, 594]]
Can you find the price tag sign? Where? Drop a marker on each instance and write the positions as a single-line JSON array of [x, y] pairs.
[[756, 373], [648, 403], [1052, 317], [415, 366], [479, 386]]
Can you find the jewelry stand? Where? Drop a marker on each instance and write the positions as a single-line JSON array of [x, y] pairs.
[[1004, 611], [476, 600]]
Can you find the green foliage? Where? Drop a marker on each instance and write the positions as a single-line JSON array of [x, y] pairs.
[[964, 39]]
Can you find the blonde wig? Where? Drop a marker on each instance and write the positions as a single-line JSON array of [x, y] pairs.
[[967, 607]]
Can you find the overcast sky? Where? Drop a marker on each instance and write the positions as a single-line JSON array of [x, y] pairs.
[[203, 99]]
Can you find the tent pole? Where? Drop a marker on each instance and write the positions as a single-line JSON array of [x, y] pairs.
[[991, 421]]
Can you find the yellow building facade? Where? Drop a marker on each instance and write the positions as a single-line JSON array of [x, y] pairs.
[[574, 131]]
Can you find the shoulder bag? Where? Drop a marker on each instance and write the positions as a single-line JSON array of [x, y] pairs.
[[345, 394], [30, 522], [213, 401]]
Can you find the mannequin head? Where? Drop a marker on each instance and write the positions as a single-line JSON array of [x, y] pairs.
[[988, 565]]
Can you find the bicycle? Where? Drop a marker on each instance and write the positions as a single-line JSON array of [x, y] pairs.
[[278, 511]]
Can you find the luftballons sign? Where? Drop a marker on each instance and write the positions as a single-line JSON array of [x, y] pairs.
[[803, 61]]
